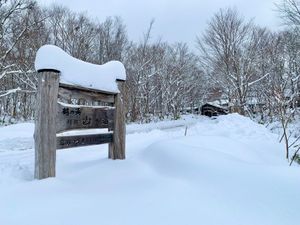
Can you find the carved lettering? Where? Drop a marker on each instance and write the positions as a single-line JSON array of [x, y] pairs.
[[84, 117], [83, 140], [86, 121]]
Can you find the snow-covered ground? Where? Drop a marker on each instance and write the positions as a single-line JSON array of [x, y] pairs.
[[228, 170]]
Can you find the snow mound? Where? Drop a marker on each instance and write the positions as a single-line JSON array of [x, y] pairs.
[[77, 72], [176, 158]]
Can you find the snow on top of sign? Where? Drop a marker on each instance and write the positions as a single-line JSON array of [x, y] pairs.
[[77, 72]]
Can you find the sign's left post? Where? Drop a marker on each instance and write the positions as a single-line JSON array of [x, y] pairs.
[[45, 124]]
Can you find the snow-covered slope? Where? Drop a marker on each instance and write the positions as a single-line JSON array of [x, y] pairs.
[[225, 171]]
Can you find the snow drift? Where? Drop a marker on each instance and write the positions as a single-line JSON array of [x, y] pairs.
[[228, 171]]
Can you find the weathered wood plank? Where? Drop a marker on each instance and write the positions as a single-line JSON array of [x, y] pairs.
[[83, 140], [45, 126], [77, 117], [117, 147], [68, 92]]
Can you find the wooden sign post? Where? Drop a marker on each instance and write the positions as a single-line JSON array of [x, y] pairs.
[[53, 116]]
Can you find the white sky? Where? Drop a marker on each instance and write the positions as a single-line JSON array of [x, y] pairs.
[[174, 20]]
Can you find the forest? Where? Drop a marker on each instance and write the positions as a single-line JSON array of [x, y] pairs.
[[245, 67], [140, 149]]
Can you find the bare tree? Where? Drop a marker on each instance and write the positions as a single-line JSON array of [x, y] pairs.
[[289, 11], [17, 21], [111, 40], [229, 52]]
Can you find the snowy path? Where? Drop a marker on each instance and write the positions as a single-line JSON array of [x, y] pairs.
[[227, 171]]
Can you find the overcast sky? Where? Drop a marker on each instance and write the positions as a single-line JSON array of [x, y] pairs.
[[174, 20]]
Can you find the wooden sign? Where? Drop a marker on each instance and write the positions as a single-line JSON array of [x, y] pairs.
[[82, 140], [77, 117], [53, 116]]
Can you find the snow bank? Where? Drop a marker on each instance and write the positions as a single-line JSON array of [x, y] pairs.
[[75, 71]]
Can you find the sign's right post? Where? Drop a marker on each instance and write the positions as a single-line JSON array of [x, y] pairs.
[[117, 147]]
